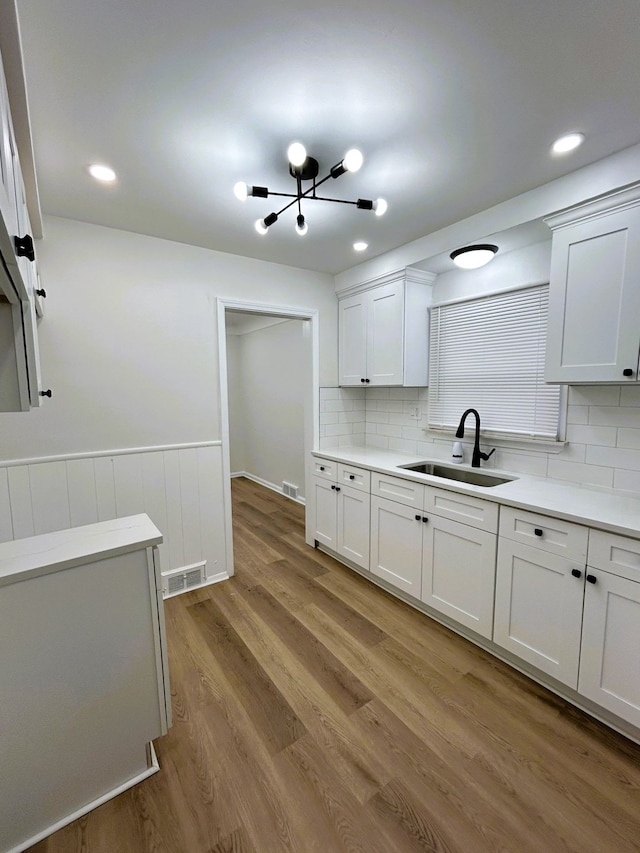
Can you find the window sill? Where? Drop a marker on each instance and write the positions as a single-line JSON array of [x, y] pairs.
[[543, 445]]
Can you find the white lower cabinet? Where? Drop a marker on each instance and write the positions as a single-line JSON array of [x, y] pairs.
[[562, 597], [446, 564], [342, 520], [458, 572], [396, 544], [538, 608], [609, 670]]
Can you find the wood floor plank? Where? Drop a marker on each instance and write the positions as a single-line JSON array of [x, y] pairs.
[[314, 713], [273, 717]]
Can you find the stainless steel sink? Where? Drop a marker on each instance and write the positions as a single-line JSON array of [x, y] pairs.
[[461, 475]]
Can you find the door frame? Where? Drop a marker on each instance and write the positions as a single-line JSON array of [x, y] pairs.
[[311, 400]]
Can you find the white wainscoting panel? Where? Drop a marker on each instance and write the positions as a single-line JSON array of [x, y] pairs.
[[180, 489]]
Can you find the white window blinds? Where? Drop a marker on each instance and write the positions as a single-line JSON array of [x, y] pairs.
[[488, 354]]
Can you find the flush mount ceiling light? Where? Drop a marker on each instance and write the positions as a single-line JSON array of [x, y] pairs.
[[566, 143], [360, 246], [102, 173], [472, 257], [305, 168]]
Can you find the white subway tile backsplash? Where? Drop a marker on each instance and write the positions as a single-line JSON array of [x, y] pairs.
[[603, 433], [594, 395], [576, 472], [630, 395], [577, 414], [586, 434], [614, 416], [628, 437], [615, 457]]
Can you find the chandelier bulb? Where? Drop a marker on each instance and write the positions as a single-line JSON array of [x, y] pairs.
[[261, 228], [296, 153], [380, 206], [241, 191], [301, 225], [353, 160]]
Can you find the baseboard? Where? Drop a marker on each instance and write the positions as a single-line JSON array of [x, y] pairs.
[[267, 485], [153, 767]]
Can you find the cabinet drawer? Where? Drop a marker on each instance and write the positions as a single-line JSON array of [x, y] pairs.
[[619, 555], [549, 534], [396, 489], [325, 468], [357, 478], [464, 508]]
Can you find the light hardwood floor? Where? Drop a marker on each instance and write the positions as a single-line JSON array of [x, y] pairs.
[[314, 712]]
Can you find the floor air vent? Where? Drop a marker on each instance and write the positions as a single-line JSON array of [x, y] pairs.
[[289, 490], [183, 580]]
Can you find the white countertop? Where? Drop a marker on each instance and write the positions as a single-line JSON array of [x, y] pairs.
[[63, 549], [602, 508]]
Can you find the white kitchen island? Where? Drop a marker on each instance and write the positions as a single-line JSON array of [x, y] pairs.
[[84, 682]]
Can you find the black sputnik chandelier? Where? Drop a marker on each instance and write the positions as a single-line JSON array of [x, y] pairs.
[[303, 169]]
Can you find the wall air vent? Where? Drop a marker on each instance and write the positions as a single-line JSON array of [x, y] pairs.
[[183, 579], [289, 490]]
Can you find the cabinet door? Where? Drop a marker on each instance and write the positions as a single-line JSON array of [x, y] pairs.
[[594, 300], [385, 335], [396, 545], [353, 525], [325, 501], [538, 610], [609, 670], [458, 572], [8, 225], [352, 326]]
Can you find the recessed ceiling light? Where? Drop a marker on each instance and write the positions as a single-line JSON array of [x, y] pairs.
[[102, 173], [360, 246], [566, 143]]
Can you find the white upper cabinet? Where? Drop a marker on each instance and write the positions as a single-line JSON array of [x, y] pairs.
[[594, 300], [384, 333]]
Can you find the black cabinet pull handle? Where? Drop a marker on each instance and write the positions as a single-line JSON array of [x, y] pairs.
[[627, 372], [592, 579], [418, 518], [46, 393], [537, 531], [24, 247], [576, 573], [425, 518], [42, 292]]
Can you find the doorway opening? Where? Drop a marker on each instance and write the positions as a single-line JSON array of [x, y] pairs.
[[259, 416]]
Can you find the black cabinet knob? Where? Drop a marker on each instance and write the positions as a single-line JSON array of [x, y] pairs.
[[576, 573], [627, 372], [425, 518], [24, 247], [367, 380], [352, 476], [418, 518], [46, 393], [333, 487], [322, 467], [362, 380], [592, 579], [337, 488], [42, 292], [537, 531]]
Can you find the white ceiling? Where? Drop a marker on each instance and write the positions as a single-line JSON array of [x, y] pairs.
[[454, 104]]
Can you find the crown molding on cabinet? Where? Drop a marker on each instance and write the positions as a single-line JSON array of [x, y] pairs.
[[407, 274], [611, 202]]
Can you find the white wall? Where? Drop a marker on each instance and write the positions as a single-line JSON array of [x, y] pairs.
[[129, 340], [269, 372], [129, 348]]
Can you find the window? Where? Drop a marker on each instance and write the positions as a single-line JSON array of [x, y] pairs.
[[488, 353]]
